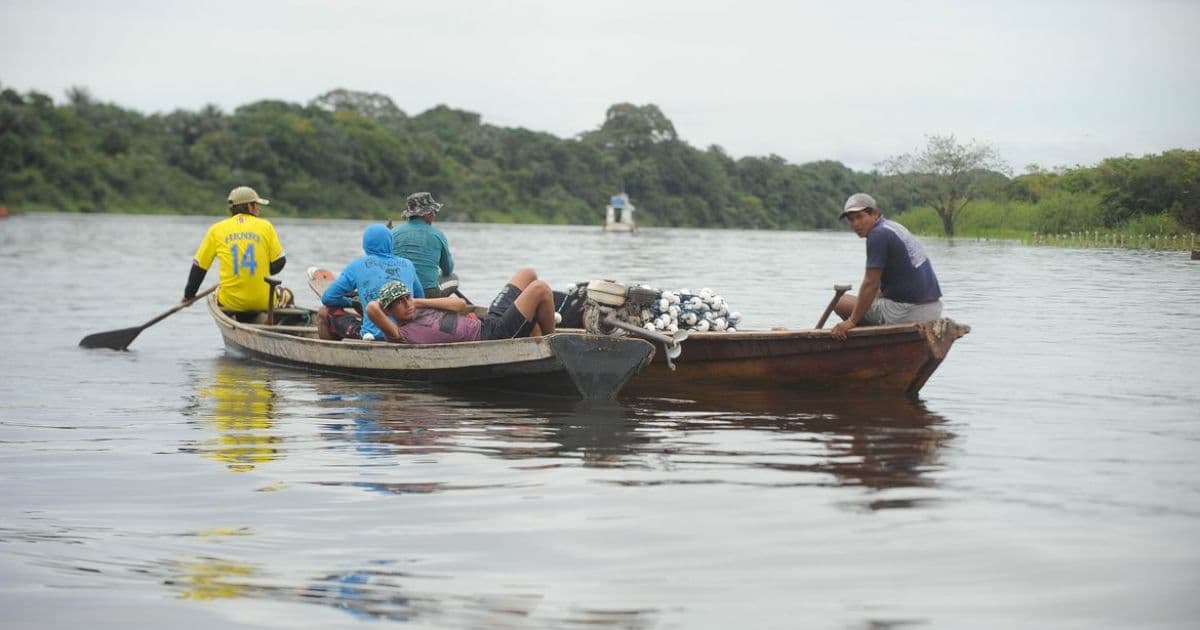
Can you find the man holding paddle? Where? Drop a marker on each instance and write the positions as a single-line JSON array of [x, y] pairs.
[[899, 284], [249, 251]]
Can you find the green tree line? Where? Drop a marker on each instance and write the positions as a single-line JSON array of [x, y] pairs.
[[356, 154], [951, 188]]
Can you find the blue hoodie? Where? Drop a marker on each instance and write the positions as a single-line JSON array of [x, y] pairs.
[[369, 273]]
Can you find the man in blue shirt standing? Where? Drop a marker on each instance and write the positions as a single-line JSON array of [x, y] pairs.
[[417, 240], [899, 284]]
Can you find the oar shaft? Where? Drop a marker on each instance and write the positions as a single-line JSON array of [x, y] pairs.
[[180, 306], [838, 291]]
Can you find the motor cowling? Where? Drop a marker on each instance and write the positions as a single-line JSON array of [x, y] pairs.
[[605, 297]]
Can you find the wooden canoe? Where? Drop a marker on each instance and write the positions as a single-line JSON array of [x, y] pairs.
[[571, 364], [894, 359]]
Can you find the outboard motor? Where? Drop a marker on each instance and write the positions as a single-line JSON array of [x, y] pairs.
[[611, 308], [568, 305]]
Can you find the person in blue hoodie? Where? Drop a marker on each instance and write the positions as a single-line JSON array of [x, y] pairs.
[[364, 276]]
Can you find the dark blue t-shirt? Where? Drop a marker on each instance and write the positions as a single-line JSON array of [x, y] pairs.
[[907, 272]]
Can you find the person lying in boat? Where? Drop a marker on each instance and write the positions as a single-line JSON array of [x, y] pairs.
[[899, 284], [364, 276], [524, 308], [425, 245]]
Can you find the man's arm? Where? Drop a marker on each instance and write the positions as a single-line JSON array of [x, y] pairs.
[[275, 251], [206, 252], [451, 303], [867, 292], [389, 328], [195, 277], [335, 294], [447, 261]]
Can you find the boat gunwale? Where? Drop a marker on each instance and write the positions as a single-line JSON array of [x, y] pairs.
[[816, 333], [349, 352]]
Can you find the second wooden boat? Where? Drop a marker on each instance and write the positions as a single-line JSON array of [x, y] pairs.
[[893, 359]]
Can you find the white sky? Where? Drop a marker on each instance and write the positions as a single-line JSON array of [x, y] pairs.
[[1058, 82]]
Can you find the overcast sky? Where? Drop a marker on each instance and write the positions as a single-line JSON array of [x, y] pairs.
[[1054, 82]]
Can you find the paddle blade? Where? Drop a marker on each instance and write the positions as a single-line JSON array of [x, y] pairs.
[[120, 339], [115, 339]]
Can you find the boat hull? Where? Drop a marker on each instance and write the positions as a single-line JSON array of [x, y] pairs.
[[591, 367], [896, 359]]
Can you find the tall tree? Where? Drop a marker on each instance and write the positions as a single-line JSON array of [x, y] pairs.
[[633, 127], [370, 104], [1132, 187], [947, 174]]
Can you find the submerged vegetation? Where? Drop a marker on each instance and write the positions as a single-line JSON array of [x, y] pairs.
[[355, 154]]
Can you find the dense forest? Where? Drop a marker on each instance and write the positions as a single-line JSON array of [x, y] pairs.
[[351, 154], [356, 154]]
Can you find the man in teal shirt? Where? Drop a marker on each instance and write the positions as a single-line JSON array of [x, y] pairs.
[[426, 246]]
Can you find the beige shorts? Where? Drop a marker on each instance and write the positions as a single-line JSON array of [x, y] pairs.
[[885, 311]]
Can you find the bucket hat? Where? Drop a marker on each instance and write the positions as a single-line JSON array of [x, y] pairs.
[[420, 204], [391, 291]]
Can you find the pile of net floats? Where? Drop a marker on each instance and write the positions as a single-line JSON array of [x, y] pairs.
[[588, 304], [702, 311]]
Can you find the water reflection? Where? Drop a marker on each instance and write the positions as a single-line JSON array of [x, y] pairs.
[[382, 419], [387, 420], [207, 578], [371, 593], [601, 435], [377, 590], [878, 444], [790, 439], [397, 432], [239, 403]]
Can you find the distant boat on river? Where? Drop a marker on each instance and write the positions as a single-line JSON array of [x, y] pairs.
[[618, 215]]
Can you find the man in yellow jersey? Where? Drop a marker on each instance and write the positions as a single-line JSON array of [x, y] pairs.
[[249, 251]]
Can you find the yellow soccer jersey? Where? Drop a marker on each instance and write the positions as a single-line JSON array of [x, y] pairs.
[[246, 246]]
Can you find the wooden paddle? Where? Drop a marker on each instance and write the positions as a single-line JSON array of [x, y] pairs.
[[319, 279], [838, 290], [120, 339]]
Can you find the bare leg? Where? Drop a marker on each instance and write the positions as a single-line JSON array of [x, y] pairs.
[[536, 303], [523, 278], [845, 305], [323, 324]]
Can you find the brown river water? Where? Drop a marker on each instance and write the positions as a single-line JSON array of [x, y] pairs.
[[1049, 476]]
